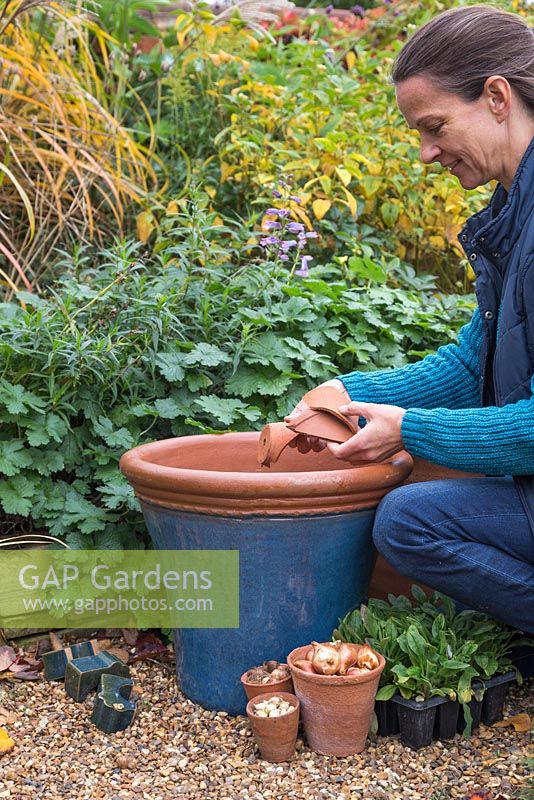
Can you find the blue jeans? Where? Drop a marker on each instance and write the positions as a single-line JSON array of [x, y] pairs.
[[467, 538]]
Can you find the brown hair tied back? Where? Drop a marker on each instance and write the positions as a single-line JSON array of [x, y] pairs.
[[459, 49]]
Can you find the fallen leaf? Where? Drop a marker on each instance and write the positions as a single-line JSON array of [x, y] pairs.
[[147, 645], [23, 662], [55, 641], [25, 668], [16, 667], [130, 635], [27, 674], [520, 722], [6, 742], [120, 652], [7, 717], [101, 644], [479, 796], [7, 657], [490, 762]]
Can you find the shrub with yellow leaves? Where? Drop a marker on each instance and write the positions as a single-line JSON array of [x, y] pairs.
[[324, 111]]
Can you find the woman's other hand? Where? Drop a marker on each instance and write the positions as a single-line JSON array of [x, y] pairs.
[[378, 440], [305, 443]]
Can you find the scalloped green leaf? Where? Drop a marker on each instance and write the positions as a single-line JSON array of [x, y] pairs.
[[206, 354], [16, 495], [14, 457]]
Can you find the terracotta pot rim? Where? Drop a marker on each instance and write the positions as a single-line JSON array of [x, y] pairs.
[[291, 698], [244, 681], [264, 492], [332, 680]]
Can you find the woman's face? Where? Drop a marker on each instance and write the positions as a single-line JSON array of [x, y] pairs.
[[465, 137]]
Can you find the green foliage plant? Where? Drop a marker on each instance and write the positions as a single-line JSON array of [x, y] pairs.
[[430, 650], [202, 332], [128, 20]]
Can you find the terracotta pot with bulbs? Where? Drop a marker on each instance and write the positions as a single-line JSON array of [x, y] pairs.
[[336, 684]]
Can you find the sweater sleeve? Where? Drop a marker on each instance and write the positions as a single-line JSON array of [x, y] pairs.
[[492, 440], [448, 378]]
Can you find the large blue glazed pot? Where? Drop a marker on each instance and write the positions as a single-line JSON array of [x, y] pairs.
[[303, 531]]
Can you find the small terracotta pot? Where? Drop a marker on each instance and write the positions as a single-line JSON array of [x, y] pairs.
[[275, 736], [254, 689], [336, 709]]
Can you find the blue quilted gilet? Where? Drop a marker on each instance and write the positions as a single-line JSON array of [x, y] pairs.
[[499, 242]]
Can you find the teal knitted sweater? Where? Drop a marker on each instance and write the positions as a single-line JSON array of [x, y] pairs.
[[444, 421]]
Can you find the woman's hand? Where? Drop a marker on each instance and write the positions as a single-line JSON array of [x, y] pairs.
[[378, 440], [305, 443]]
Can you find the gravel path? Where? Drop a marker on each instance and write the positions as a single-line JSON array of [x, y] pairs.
[[175, 749]]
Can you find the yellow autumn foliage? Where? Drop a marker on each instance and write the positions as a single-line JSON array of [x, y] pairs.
[[331, 123], [320, 207], [6, 742], [70, 167]]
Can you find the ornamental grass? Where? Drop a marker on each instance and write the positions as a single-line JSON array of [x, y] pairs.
[[69, 167]]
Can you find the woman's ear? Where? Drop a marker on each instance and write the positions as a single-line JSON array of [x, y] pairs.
[[498, 93]]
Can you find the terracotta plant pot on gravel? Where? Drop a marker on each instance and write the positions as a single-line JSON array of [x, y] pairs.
[[254, 689], [275, 736], [336, 709]]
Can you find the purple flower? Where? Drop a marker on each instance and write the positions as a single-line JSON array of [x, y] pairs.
[[302, 241], [276, 193], [295, 198], [304, 271], [287, 245], [328, 10], [295, 227], [358, 10], [269, 240], [272, 226], [284, 212], [311, 235], [283, 258], [272, 212], [283, 184]]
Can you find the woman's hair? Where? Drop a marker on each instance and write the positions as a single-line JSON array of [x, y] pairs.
[[459, 49]]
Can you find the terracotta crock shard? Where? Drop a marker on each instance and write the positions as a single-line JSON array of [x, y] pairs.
[[273, 439], [323, 420], [323, 425], [327, 398]]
